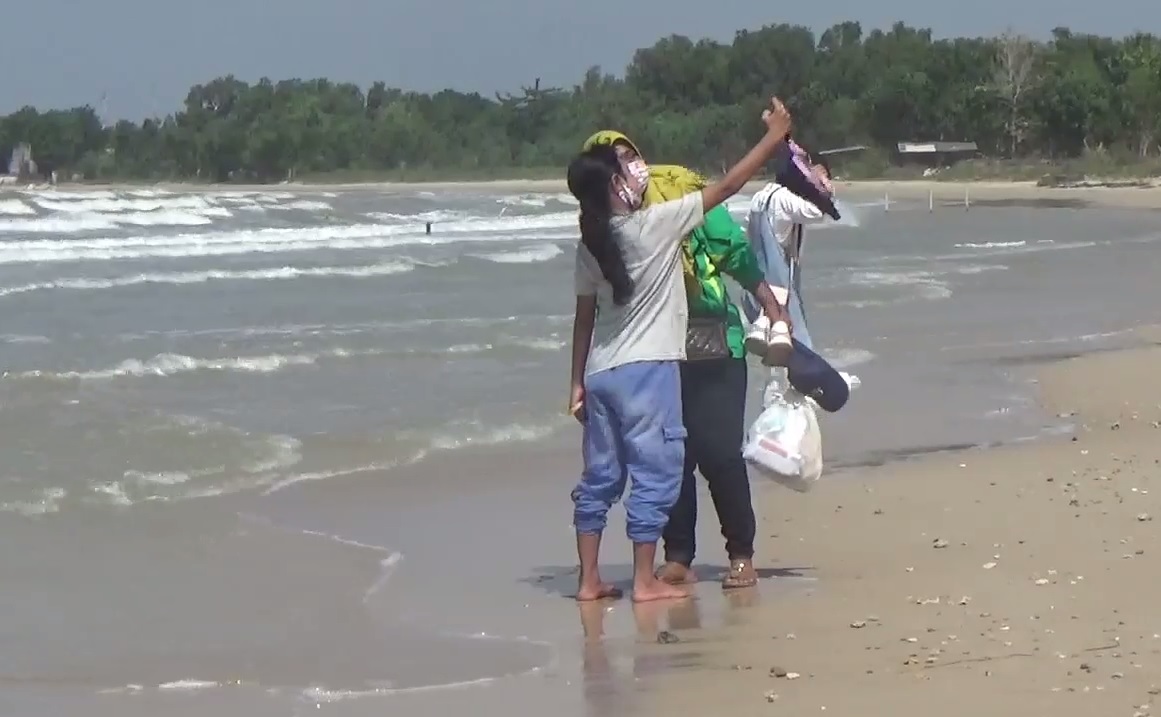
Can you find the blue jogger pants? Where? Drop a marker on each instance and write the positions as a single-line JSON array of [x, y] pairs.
[[633, 432]]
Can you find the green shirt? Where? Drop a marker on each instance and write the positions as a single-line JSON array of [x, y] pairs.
[[719, 248]]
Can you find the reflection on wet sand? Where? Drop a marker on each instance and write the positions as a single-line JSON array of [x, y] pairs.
[[666, 638]]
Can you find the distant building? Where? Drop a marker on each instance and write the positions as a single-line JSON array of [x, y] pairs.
[[936, 154]]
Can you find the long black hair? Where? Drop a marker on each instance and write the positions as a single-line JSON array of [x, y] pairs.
[[590, 178]]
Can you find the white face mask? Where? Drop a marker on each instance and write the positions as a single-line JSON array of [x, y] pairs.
[[634, 180], [639, 171], [629, 195]]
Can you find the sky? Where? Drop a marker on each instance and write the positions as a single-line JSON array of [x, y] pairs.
[[135, 58]]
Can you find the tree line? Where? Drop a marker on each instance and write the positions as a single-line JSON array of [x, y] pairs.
[[690, 101]]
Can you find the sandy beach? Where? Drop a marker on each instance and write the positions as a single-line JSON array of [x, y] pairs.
[[1013, 581], [265, 437], [1008, 193]]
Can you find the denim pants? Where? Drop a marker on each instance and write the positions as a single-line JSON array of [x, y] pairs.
[[775, 263], [633, 434]]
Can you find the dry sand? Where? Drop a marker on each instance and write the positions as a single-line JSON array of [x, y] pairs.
[[1142, 197], [1016, 581]]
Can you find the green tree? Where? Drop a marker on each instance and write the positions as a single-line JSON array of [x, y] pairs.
[[683, 100]]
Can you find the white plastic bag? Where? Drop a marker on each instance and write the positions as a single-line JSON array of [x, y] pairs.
[[784, 443]]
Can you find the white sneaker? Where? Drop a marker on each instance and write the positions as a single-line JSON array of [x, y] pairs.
[[756, 338], [769, 341], [778, 345]]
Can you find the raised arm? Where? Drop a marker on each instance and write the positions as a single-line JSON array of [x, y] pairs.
[[777, 121]]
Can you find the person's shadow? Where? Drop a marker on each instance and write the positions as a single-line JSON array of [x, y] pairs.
[[561, 580]]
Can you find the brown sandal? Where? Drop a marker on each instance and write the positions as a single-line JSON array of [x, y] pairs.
[[741, 575]]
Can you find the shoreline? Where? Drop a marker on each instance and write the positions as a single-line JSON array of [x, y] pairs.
[[1016, 578], [1147, 196]]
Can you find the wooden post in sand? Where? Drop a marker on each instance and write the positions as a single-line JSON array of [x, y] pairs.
[[931, 200], [429, 228], [886, 201], [966, 201]]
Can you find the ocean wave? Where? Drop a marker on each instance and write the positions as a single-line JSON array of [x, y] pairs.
[[537, 344], [528, 255], [454, 436], [24, 339], [77, 223], [54, 194], [43, 502], [149, 193], [130, 457], [268, 240], [16, 208], [245, 199], [201, 277], [971, 269], [434, 216], [527, 222], [926, 284], [305, 205], [164, 217], [314, 476], [990, 244], [346, 329], [163, 365], [1008, 248], [147, 207], [524, 200], [844, 358], [173, 364], [273, 456], [476, 434], [536, 200], [116, 204], [56, 225]]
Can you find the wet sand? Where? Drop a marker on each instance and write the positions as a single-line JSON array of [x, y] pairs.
[[1015, 581]]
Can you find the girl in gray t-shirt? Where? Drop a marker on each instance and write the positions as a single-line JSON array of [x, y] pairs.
[[628, 339]]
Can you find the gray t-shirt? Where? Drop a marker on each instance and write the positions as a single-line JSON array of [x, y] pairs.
[[651, 325]]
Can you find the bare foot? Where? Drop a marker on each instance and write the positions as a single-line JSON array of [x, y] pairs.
[[658, 590], [598, 591], [676, 574]]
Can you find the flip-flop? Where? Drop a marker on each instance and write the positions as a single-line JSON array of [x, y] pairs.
[[737, 577]]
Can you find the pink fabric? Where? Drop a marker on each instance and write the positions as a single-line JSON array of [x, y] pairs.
[[802, 159]]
